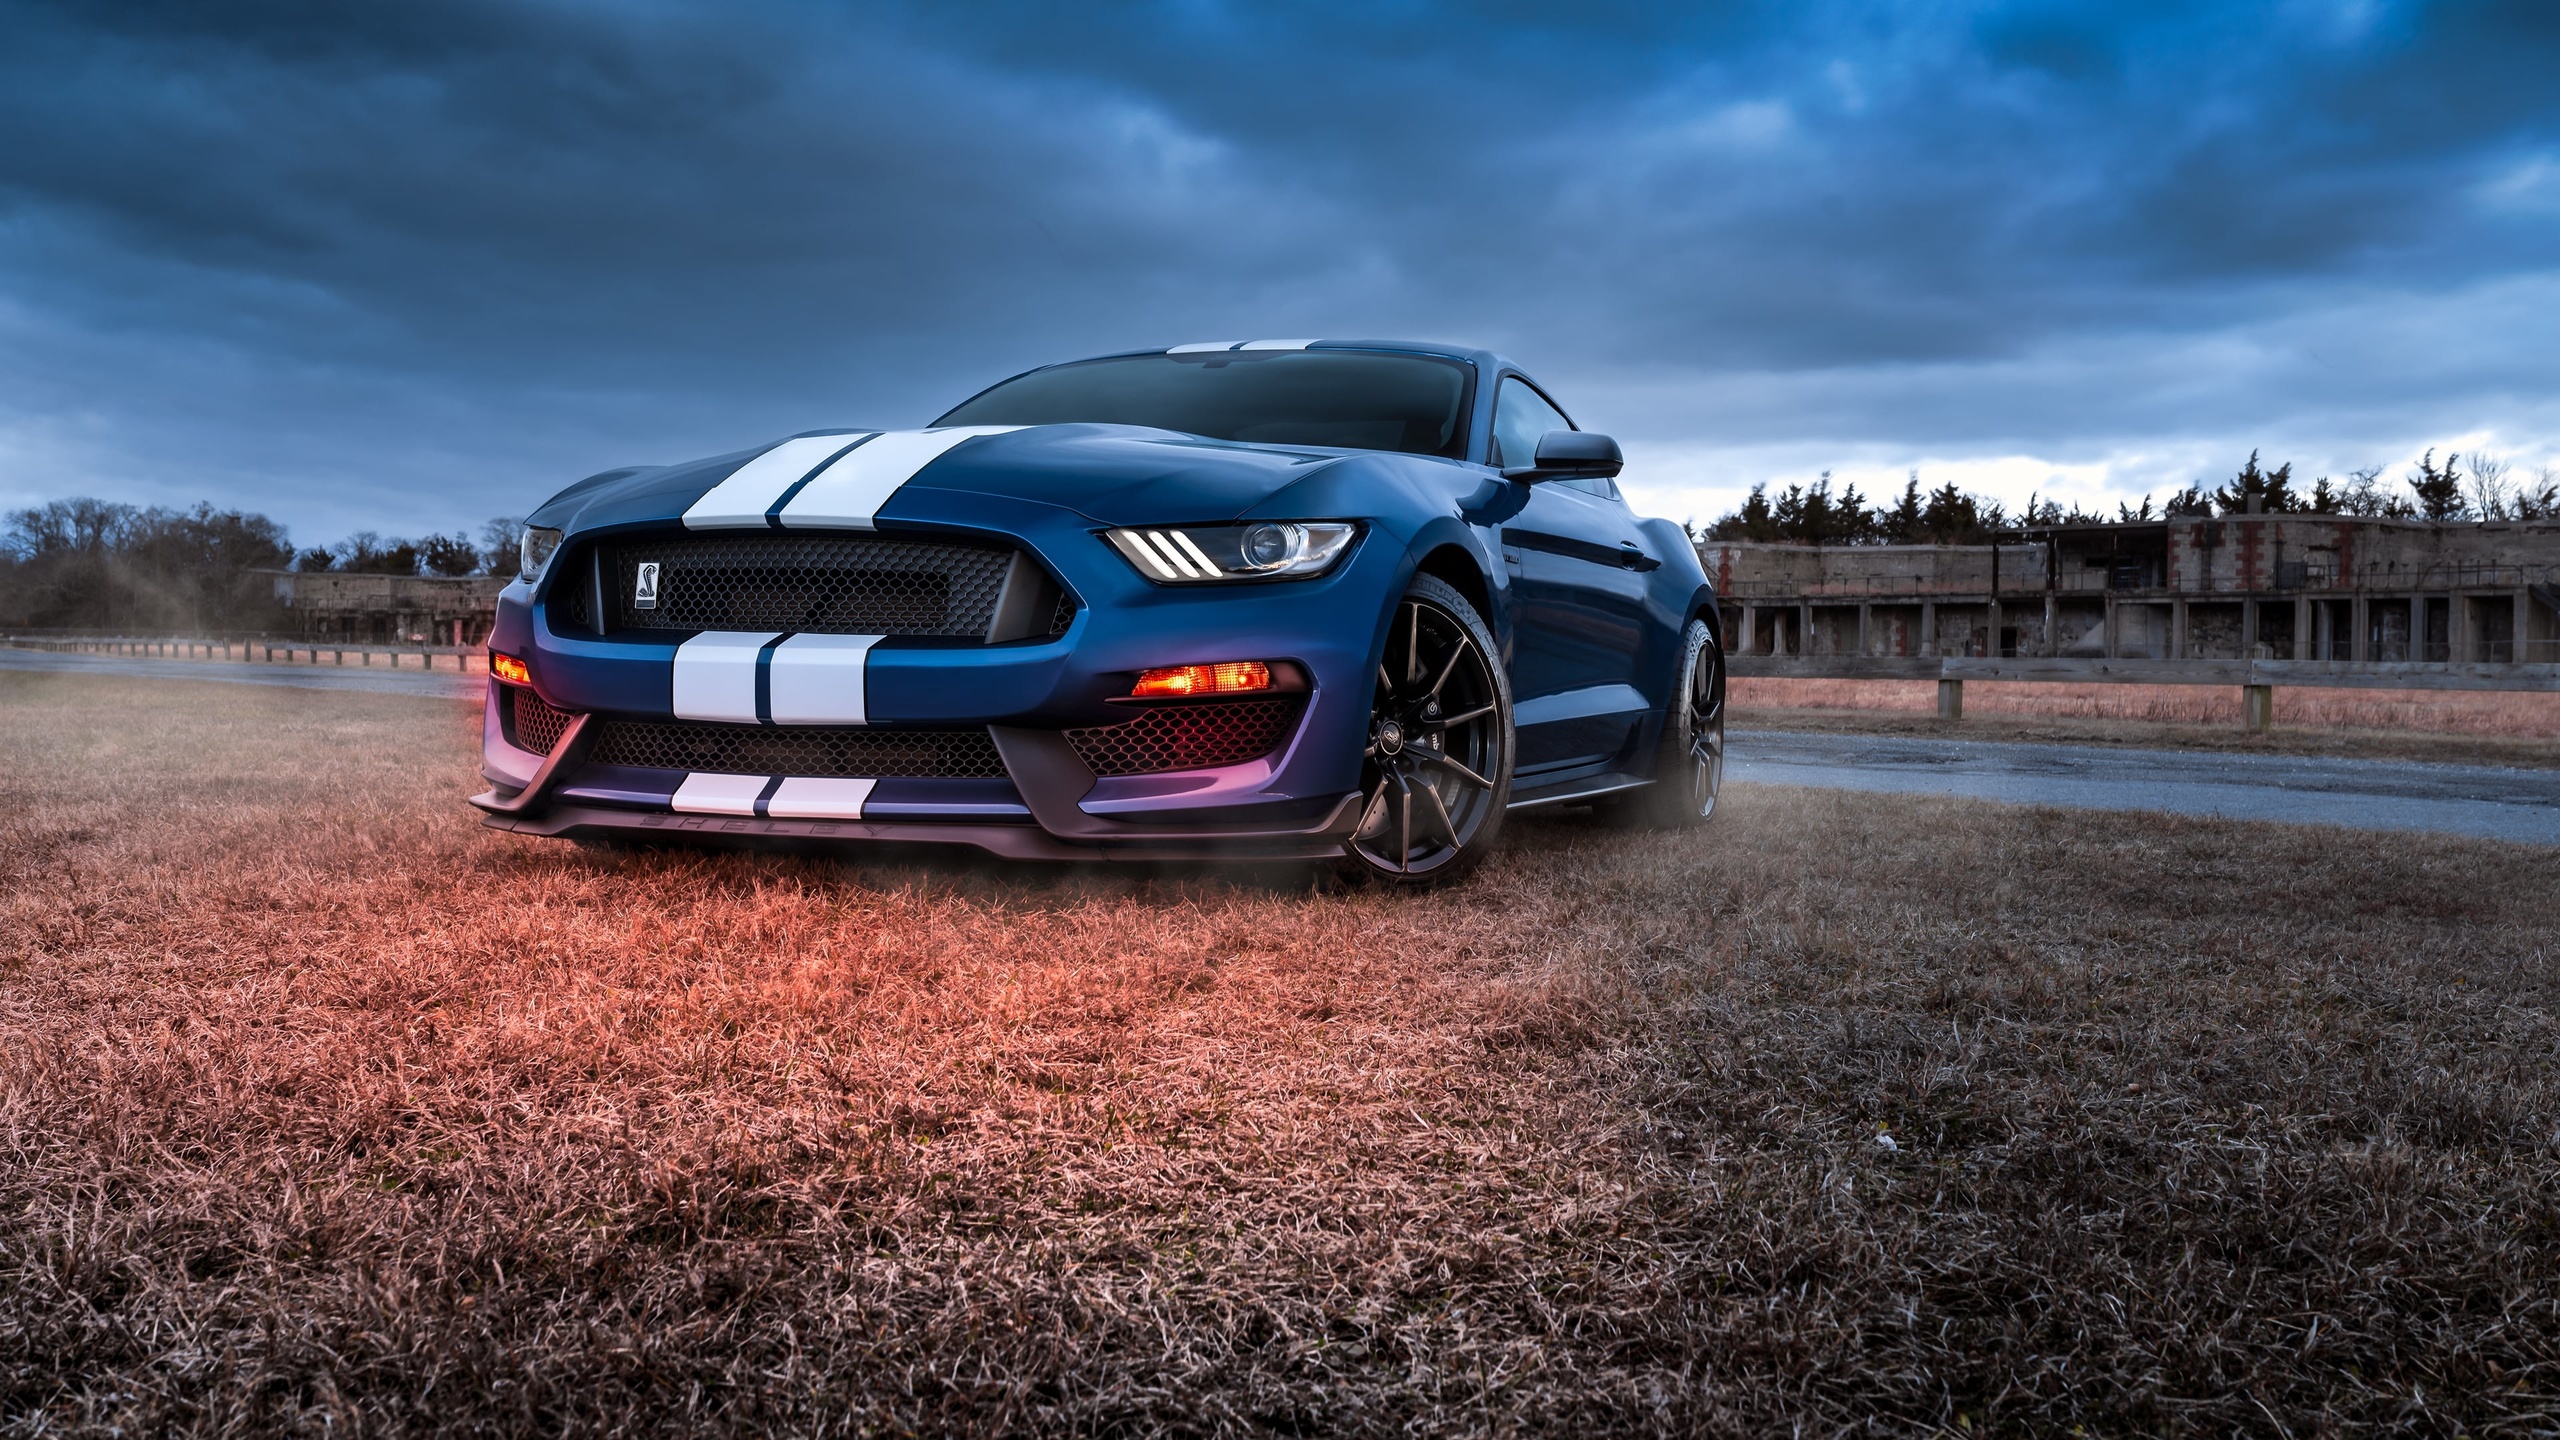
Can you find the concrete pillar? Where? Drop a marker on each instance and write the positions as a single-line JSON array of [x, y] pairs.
[[2303, 646], [2052, 625], [2519, 652], [1804, 628], [2417, 627], [1991, 632], [2107, 626], [2257, 707], [1950, 699], [1750, 629], [2359, 629], [1929, 625], [2178, 629], [1866, 628], [2249, 627]]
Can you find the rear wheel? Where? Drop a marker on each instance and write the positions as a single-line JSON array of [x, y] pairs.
[[1688, 769], [1436, 775]]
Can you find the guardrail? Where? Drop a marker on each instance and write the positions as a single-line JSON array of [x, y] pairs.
[[2257, 679], [290, 650]]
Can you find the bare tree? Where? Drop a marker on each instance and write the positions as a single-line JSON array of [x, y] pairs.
[[2364, 494], [2490, 493], [2539, 497]]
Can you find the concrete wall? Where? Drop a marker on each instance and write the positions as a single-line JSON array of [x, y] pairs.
[[416, 609]]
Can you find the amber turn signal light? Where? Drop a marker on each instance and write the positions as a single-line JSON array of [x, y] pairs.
[[510, 669], [1231, 678]]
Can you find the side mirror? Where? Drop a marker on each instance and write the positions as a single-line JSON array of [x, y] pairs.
[[1570, 455]]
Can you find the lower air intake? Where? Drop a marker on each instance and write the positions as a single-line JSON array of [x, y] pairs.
[[528, 721], [817, 750], [1188, 737]]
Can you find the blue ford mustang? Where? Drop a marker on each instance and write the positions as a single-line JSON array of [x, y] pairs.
[[1292, 599]]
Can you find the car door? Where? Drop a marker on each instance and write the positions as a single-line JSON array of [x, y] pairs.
[[1576, 566]]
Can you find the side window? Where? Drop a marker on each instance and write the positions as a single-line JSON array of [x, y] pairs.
[[1520, 416]]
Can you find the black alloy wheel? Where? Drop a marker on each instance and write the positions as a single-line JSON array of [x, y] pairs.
[[1689, 765], [1436, 775]]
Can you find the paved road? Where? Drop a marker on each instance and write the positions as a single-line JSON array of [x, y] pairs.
[[309, 677], [2488, 801], [2498, 804]]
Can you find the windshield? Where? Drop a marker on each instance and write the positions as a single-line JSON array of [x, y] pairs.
[[1348, 399]]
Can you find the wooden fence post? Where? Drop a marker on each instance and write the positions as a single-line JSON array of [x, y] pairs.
[[2257, 708]]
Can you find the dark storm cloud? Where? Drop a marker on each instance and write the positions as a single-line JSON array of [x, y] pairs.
[[403, 265]]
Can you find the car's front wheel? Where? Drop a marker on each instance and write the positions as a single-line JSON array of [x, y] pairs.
[[1688, 771], [1436, 775]]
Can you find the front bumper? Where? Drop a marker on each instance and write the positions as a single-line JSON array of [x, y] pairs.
[[1041, 808], [1044, 801]]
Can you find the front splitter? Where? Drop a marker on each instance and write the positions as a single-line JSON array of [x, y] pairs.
[[1011, 842]]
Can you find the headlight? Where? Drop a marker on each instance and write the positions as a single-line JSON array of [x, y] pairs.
[[535, 551], [1265, 550]]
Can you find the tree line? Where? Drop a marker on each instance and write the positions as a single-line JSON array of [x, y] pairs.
[[97, 564], [2447, 492]]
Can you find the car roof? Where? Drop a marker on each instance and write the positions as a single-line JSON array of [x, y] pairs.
[[1484, 360]]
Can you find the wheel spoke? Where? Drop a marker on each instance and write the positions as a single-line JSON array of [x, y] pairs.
[[1373, 816], [1413, 644], [1464, 645], [1437, 812], [1463, 716], [1452, 764], [1386, 682], [1404, 823]]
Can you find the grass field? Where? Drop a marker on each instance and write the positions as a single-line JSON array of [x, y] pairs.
[[324, 1111]]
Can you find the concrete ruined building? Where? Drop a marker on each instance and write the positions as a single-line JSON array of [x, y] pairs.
[[2238, 587], [362, 609]]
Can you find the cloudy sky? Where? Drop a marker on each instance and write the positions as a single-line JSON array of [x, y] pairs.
[[405, 266]]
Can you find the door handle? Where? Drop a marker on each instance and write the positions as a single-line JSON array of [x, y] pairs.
[[1632, 556]]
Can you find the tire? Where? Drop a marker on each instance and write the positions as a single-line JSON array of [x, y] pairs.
[[1436, 772], [1689, 763]]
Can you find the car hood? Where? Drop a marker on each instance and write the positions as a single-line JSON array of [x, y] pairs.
[[1112, 474]]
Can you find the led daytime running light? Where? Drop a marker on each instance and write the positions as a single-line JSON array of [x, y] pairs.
[[1262, 550]]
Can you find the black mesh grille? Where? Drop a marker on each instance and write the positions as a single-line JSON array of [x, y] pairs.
[[1187, 737], [569, 603], [796, 750], [821, 584], [1063, 616], [528, 721]]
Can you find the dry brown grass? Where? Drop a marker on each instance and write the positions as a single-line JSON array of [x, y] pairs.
[[323, 1110]]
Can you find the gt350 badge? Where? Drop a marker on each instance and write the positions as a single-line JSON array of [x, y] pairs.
[[644, 594]]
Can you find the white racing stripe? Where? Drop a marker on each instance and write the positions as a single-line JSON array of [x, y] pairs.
[[743, 498], [803, 798], [850, 492], [715, 675], [1276, 344], [719, 794], [820, 680]]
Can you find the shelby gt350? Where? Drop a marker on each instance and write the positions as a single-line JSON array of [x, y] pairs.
[[1282, 599]]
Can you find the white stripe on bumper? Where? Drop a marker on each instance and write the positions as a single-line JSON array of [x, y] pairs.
[[715, 675], [719, 794], [819, 680], [751, 489], [849, 493], [803, 798]]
